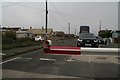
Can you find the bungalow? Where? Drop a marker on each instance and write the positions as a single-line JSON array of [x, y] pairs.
[[41, 32], [69, 35], [116, 36], [23, 34], [59, 35], [13, 29]]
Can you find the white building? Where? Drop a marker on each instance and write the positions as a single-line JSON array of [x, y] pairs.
[[116, 36], [23, 34]]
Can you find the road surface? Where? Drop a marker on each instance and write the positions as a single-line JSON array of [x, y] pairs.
[[37, 64]]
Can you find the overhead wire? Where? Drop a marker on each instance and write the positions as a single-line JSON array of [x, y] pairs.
[[57, 12], [31, 7], [52, 11], [60, 18], [11, 4]]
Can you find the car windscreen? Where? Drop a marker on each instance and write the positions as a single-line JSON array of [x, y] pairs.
[[87, 35]]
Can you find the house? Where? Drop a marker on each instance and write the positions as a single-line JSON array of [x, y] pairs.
[[13, 29], [41, 32], [59, 35], [23, 34], [69, 35], [116, 36]]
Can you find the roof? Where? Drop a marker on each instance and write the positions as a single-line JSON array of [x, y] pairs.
[[69, 34], [117, 31], [40, 31], [11, 28], [24, 29], [58, 31]]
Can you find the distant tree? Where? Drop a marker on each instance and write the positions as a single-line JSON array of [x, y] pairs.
[[105, 34]]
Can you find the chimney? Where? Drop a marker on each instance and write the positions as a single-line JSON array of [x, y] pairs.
[[42, 29], [30, 27]]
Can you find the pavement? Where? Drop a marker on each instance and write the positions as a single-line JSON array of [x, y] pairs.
[[16, 51], [112, 45]]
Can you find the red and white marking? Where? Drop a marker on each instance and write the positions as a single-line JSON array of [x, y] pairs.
[[76, 50]]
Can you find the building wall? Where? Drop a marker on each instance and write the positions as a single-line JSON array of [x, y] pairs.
[[116, 37], [23, 34]]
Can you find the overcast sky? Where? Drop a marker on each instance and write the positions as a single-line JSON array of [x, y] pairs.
[[26, 14]]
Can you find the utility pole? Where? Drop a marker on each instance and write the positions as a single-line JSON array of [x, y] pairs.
[[100, 26], [69, 28], [75, 31], [46, 24]]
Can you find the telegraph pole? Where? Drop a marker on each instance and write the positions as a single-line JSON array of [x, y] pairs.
[[69, 28], [100, 26], [75, 31], [46, 23]]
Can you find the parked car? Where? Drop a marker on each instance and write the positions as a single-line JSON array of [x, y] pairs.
[[38, 38], [87, 39]]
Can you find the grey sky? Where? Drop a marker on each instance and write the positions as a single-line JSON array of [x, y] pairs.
[[28, 14]]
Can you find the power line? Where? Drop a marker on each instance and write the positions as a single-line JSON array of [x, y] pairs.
[[11, 4], [41, 9], [51, 11], [61, 17], [31, 7]]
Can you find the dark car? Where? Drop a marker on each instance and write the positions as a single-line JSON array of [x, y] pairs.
[[100, 40], [87, 39]]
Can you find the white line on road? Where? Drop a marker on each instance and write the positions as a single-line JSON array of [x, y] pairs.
[[10, 60], [2, 54], [47, 59], [70, 60]]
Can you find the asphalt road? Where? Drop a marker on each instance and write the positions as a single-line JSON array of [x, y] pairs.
[[37, 64]]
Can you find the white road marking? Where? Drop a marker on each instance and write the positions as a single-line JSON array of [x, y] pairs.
[[47, 59], [70, 60], [2, 54], [10, 60]]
